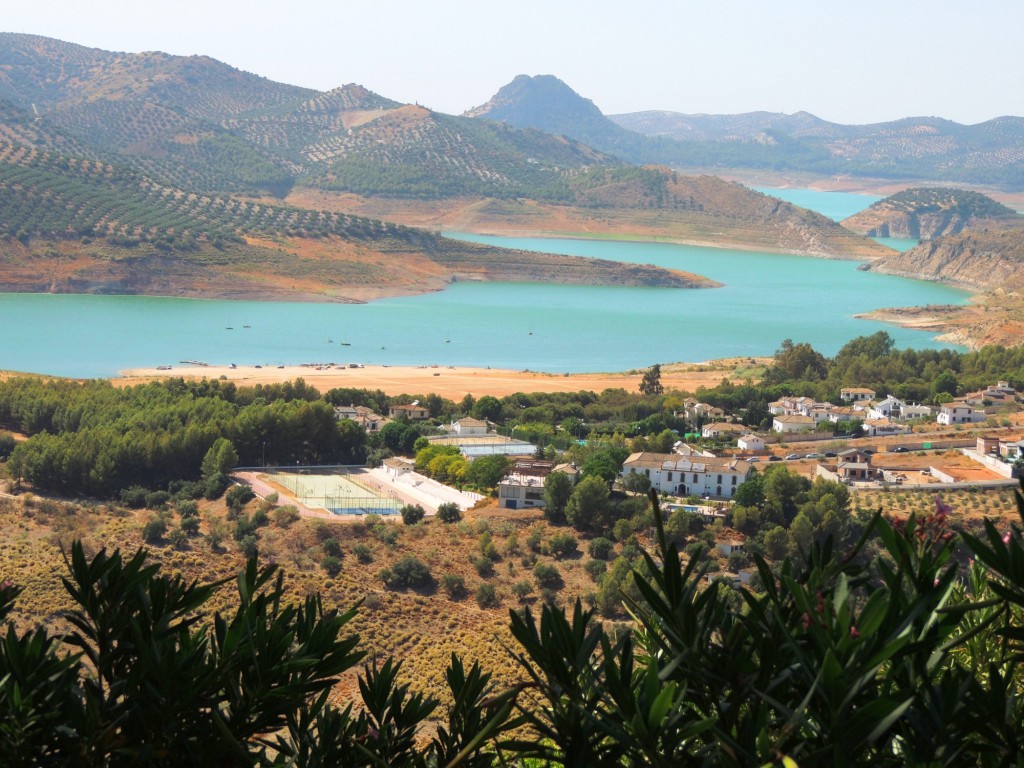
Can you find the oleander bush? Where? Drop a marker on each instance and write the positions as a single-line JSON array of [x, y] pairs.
[[905, 649]]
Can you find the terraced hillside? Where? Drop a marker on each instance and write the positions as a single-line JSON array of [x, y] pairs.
[[926, 213], [78, 225], [186, 160]]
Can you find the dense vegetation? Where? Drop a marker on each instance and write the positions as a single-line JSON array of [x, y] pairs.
[[95, 439], [911, 656]]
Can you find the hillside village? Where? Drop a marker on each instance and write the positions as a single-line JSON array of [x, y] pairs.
[[867, 442]]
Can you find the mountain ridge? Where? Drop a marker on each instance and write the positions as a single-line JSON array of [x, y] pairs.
[[927, 148]]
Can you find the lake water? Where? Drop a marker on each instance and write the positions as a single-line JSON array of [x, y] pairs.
[[767, 298]]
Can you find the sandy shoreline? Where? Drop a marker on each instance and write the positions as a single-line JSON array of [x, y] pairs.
[[453, 383]]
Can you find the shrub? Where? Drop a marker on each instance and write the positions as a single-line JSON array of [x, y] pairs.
[[183, 490], [522, 590], [178, 539], [190, 526], [600, 548], [216, 484], [154, 530], [563, 545], [285, 516], [134, 496], [249, 546], [363, 553], [238, 496], [487, 548], [547, 575], [533, 541], [409, 572], [596, 568], [484, 566], [332, 546], [412, 514], [187, 508], [449, 512], [387, 535], [331, 564], [157, 499], [486, 596], [454, 585], [7, 444]]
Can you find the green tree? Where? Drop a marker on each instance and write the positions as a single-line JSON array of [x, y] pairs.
[[557, 490], [487, 471], [409, 572], [636, 482], [412, 514], [651, 383], [487, 408], [220, 459], [588, 505], [449, 512]]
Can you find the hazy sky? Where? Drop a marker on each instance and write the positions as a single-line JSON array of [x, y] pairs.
[[855, 61]]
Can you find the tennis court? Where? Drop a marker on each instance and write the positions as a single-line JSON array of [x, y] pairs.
[[337, 490]]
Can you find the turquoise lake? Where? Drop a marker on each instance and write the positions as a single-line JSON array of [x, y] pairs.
[[766, 298]]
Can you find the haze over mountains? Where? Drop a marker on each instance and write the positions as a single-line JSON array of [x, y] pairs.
[[177, 161], [916, 147]]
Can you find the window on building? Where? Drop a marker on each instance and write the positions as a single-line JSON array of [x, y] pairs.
[[734, 479], [719, 479], [669, 478]]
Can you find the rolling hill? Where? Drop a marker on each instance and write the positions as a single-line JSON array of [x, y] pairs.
[[926, 148], [915, 147], [926, 213]]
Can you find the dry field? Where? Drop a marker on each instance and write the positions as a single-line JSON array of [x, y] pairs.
[[454, 383]]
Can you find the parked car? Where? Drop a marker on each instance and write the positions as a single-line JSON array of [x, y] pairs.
[[899, 449], [774, 458], [831, 455], [752, 459], [793, 457]]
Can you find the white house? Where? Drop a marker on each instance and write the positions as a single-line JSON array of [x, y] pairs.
[[722, 429], [518, 491], [883, 427], [412, 411], [684, 476], [467, 427], [792, 423], [821, 413], [361, 415], [750, 443], [856, 394], [889, 408], [959, 413], [844, 413], [915, 411]]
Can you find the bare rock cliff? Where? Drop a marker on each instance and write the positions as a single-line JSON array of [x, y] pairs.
[[986, 260]]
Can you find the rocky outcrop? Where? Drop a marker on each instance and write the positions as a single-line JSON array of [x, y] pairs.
[[927, 213], [986, 260]]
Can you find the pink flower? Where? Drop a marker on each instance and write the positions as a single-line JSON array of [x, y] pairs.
[[1006, 538], [941, 507], [853, 632]]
